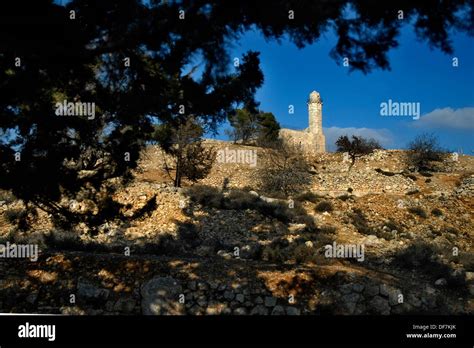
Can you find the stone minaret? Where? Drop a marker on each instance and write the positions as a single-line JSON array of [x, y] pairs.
[[315, 115]]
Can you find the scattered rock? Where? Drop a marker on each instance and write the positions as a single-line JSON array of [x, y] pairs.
[[250, 251], [414, 300], [278, 310], [88, 291], [270, 301], [202, 286], [350, 302], [204, 250], [358, 287], [379, 305], [240, 311], [372, 290], [229, 295], [469, 276], [160, 297], [66, 310], [346, 288], [224, 254], [192, 285], [32, 298], [259, 310], [292, 311], [125, 305], [402, 308], [240, 298]]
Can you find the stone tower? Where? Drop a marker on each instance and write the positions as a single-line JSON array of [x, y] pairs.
[[311, 140], [315, 121]]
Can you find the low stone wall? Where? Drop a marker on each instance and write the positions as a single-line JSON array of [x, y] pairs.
[[321, 290], [308, 142]]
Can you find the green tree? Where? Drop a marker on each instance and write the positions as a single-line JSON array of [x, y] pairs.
[[357, 147], [244, 125], [260, 127], [138, 61], [191, 159], [268, 129]]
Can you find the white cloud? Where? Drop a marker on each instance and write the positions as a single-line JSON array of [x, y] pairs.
[[447, 118], [383, 136]]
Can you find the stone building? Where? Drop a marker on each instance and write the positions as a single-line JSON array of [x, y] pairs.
[[311, 139]]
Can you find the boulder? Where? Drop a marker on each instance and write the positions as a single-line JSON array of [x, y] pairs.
[[259, 310], [278, 310], [292, 311], [160, 296], [379, 305], [88, 291]]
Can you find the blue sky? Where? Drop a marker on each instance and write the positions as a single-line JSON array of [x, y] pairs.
[[352, 100]]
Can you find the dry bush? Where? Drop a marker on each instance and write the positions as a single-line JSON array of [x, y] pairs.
[[324, 206], [284, 170], [418, 211], [308, 197], [424, 153]]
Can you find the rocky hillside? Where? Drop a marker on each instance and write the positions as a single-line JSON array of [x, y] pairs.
[[226, 246]]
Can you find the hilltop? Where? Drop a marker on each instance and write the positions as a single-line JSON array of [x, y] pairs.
[[229, 246]]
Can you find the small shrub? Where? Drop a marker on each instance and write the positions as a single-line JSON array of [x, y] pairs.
[[350, 190], [308, 220], [383, 172], [452, 230], [386, 229], [20, 218], [327, 229], [410, 176], [360, 222], [238, 199], [463, 178], [427, 181], [13, 215], [412, 192], [437, 212], [324, 206], [273, 254], [298, 210], [206, 195], [303, 254], [7, 197], [63, 240], [285, 170], [11, 236], [418, 211], [393, 225], [165, 245], [424, 152], [277, 210], [344, 197], [416, 255], [188, 233], [422, 257], [308, 197]]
